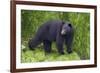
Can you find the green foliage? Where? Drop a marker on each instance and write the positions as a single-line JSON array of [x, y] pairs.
[[82, 33], [32, 20], [39, 56]]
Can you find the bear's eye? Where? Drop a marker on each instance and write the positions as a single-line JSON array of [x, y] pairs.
[[69, 25]]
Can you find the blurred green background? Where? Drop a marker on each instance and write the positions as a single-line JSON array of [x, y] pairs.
[[31, 20]]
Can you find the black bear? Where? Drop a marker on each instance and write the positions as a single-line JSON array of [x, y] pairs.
[[54, 30]]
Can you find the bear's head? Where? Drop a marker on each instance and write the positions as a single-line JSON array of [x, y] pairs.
[[66, 28]]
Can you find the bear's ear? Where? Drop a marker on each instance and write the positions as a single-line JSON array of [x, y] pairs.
[[70, 25]]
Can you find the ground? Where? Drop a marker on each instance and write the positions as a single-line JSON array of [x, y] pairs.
[[39, 56]]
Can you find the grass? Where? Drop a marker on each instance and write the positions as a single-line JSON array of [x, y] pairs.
[[39, 56]]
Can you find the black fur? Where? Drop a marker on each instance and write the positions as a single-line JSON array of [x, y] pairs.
[[51, 31]]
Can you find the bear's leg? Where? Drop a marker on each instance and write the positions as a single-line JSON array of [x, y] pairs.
[[47, 46], [68, 42], [60, 48], [59, 43]]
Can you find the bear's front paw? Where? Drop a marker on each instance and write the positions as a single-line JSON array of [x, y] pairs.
[[62, 53], [69, 52]]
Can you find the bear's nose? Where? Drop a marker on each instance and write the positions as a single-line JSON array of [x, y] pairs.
[[63, 32]]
